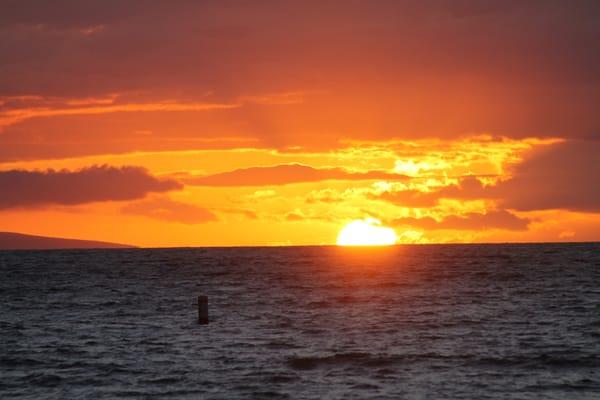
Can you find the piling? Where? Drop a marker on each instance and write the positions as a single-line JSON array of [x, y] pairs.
[[203, 310]]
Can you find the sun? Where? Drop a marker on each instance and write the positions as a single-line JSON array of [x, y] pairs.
[[367, 232]]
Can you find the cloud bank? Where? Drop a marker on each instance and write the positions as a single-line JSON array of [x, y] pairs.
[[564, 176], [97, 183], [379, 71]]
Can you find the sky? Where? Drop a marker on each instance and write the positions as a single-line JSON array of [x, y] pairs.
[[222, 123]]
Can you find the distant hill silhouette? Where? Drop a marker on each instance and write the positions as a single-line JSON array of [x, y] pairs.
[[19, 241]]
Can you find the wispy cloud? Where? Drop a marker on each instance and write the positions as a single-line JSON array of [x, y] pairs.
[[285, 174], [37, 106], [166, 209]]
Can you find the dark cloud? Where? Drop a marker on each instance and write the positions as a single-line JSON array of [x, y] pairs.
[[22, 188], [559, 176], [562, 176], [409, 198], [67, 14], [500, 219], [163, 208], [383, 69], [285, 174]]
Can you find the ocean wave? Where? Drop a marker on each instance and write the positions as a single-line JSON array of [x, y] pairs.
[[344, 359]]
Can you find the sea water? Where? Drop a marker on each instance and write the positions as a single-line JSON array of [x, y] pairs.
[[404, 322]]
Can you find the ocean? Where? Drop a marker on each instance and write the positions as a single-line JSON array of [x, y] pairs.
[[404, 322]]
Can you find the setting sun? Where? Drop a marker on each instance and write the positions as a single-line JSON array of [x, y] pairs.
[[368, 232]]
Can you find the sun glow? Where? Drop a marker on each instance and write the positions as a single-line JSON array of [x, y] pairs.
[[368, 232]]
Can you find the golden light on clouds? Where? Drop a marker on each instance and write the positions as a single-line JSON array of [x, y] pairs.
[[267, 133], [428, 191]]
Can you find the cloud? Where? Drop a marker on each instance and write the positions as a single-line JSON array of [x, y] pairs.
[[22, 188], [468, 188], [66, 14], [285, 174], [558, 176], [20, 108], [562, 176], [500, 219], [530, 70], [409, 198], [163, 208], [250, 214], [295, 216], [15, 109]]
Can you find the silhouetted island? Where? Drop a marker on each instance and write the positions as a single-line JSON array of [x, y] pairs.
[[19, 241]]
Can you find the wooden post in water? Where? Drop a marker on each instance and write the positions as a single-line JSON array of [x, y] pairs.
[[203, 310]]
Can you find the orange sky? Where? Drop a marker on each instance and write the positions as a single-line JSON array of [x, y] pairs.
[[239, 123]]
